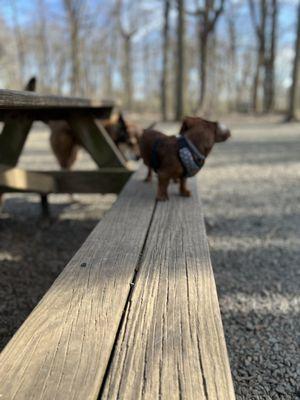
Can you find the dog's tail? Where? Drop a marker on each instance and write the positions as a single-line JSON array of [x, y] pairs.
[[31, 85], [151, 126]]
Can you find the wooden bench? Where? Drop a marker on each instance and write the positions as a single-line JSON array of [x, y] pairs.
[[134, 315], [18, 110]]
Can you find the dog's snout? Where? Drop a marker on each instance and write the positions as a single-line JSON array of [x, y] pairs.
[[223, 128], [223, 133]]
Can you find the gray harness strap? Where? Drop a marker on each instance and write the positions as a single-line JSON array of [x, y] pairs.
[[191, 158]]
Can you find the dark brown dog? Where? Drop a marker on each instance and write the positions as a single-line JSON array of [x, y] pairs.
[[65, 146], [201, 133]]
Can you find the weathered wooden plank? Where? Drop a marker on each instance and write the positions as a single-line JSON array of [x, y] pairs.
[[63, 348], [171, 345], [16, 104], [96, 141], [20, 99], [106, 180], [16, 179], [12, 139], [54, 113]]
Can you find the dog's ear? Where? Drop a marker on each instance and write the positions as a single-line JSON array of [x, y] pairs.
[[31, 85], [188, 123]]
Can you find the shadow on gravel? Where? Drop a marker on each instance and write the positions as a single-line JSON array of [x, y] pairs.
[[267, 227], [22, 207], [33, 252], [254, 229]]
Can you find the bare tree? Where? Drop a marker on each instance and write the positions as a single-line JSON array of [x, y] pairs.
[[42, 53], [127, 34], [19, 37], [233, 59], [165, 48], [270, 55], [74, 11], [259, 24], [295, 78], [110, 49], [207, 15], [179, 80]]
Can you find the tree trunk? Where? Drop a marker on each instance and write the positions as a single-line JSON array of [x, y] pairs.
[[19, 43], [260, 30], [295, 79], [75, 59], [128, 72], [179, 92], [165, 60], [257, 77], [203, 62], [233, 63], [73, 12], [269, 81], [43, 47]]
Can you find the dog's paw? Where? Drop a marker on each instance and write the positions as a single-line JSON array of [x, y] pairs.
[[185, 193], [162, 198]]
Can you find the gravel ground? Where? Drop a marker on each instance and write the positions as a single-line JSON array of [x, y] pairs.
[[251, 196], [33, 251]]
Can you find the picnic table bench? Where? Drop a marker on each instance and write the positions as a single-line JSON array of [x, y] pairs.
[[134, 314], [18, 111]]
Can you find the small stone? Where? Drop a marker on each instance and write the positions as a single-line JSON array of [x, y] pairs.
[[250, 326], [247, 363], [280, 389]]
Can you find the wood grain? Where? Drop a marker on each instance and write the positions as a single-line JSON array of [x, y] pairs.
[[171, 345], [17, 105], [62, 349], [20, 99]]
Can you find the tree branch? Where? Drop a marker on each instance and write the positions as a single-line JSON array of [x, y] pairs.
[[217, 12]]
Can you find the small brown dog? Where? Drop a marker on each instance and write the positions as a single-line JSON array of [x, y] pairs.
[[180, 157], [65, 145]]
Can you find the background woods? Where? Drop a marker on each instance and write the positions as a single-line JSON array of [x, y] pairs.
[[167, 56]]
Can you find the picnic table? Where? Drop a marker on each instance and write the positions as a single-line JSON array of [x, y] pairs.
[[18, 111], [135, 313]]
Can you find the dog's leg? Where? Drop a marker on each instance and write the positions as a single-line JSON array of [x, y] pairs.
[[183, 189], [149, 175], [1, 201], [45, 206], [162, 190]]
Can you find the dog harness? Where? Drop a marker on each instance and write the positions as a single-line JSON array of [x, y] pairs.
[[192, 160]]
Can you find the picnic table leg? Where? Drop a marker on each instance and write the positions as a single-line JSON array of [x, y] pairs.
[[1, 201], [13, 137], [96, 141], [45, 205]]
